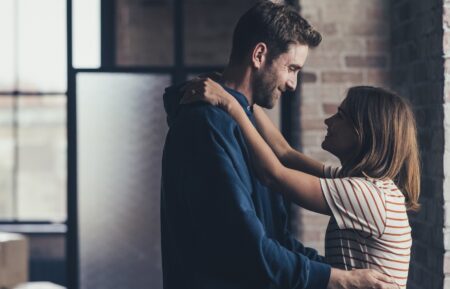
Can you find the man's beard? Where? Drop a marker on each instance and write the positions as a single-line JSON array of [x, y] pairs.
[[264, 87]]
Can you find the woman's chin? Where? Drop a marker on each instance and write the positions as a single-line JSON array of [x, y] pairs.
[[325, 145], [328, 147]]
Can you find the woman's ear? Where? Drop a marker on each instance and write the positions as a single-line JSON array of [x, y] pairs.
[[259, 55]]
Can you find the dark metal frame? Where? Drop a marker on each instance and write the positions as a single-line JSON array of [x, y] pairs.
[[179, 71]]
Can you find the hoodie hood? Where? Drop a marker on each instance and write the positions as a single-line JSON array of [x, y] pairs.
[[172, 96]]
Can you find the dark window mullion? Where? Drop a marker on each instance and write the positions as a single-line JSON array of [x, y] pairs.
[[107, 34], [179, 73]]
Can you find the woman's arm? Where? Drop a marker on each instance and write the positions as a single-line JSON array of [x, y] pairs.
[[304, 189], [285, 153]]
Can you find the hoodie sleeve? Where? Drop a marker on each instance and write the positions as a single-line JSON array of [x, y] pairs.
[[221, 202]]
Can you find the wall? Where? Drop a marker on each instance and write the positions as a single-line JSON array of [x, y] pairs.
[[418, 74], [354, 51]]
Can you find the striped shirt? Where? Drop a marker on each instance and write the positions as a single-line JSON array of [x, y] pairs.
[[369, 227]]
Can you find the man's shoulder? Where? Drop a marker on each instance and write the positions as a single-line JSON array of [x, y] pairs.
[[202, 115]]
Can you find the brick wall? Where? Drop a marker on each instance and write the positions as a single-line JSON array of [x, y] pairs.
[[354, 51], [418, 74]]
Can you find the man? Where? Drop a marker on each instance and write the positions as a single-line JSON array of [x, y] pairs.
[[220, 227]]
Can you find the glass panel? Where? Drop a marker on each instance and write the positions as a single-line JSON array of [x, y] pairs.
[[121, 127], [144, 32], [7, 157], [86, 33], [42, 158], [7, 48], [209, 29], [42, 45]]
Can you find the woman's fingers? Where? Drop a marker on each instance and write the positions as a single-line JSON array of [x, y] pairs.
[[382, 277], [389, 282], [202, 89]]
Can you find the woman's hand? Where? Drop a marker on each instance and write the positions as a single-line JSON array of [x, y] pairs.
[[207, 90]]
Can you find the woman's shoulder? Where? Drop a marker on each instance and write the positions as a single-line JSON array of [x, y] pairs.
[[330, 171]]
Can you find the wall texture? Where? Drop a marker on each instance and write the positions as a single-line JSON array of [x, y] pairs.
[[418, 74], [354, 51]]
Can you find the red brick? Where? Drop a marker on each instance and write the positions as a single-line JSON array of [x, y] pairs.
[[310, 109], [378, 77], [309, 77], [321, 60], [379, 12], [366, 61], [340, 45], [368, 29], [330, 108], [341, 76], [377, 45], [313, 124]]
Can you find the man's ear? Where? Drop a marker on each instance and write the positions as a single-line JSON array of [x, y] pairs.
[[259, 55]]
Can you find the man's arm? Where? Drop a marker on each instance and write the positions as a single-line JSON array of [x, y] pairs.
[[223, 197]]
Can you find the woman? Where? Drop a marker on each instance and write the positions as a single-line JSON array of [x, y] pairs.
[[374, 136]]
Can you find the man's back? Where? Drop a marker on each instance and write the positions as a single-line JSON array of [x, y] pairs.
[[220, 227]]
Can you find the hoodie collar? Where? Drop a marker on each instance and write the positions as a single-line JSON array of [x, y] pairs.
[[241, 99]]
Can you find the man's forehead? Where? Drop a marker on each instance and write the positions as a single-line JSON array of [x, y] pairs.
[[296, 54]]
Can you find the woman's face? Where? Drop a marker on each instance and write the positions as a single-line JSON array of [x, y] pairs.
[[341, 139]]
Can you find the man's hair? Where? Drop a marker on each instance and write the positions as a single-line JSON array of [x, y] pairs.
[[387, 136], [276, 25]]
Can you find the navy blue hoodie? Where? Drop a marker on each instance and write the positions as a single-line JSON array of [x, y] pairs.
[[221, 228]]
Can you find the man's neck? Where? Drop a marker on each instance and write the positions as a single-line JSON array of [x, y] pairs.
[[238, 78]]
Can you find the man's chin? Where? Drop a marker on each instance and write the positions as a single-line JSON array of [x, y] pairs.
[[271, 105], [268, 104]]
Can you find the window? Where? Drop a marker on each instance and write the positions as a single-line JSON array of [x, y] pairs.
[[33, 85]]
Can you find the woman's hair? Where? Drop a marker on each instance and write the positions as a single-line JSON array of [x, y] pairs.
[[386, 129]]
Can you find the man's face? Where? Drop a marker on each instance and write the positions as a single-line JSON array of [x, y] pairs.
[[277, 76]]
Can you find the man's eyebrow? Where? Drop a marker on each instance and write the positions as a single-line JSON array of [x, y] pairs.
[[295, 66]]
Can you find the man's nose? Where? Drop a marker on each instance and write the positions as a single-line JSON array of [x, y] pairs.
[[291, 84]]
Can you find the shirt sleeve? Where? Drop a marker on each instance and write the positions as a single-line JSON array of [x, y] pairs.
[[356, 204], [331, 172], [240, 234]]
